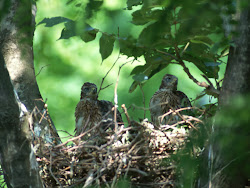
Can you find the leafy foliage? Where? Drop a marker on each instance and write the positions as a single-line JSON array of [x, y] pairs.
[[173, 33], [106, 45]]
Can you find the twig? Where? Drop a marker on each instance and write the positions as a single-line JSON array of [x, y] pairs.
[[126, 113], [107, 75], [138, 171], [143, 100], [50, 169], [186, 121], [185, 48], [116, 97], [79, 136], [41, 69], [116, 174]]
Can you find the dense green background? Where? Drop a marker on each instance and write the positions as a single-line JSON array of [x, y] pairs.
[[64, 65]]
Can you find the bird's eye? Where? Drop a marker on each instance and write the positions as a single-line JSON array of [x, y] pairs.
[[86, 89], [168, 78]]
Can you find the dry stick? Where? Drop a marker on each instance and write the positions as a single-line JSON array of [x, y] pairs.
[[115, 97], [186, 121], [126, 113], [79, 136], [116, 174], [50, 170], [143, 100]]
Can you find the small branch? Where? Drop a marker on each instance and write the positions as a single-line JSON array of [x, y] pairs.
[[107, 75], [180, 61], [50, 170], [116, 97], [126, 113], [143, 100], [79, 136]]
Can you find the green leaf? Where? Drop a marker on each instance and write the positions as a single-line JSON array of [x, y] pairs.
[[202, 40], [212, 64], [106, 44], [89, 35], [50, 22], [129, 47], [4, 8], [140, 77], [72, 28], [155, 35], [131, 3], [91, 7], [200, 63], [140, 17], [133, 86], [154, 64], [69, 30]]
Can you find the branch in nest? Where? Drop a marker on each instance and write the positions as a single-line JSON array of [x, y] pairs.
[[126, 113]]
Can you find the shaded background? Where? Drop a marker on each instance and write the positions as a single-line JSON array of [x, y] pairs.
[[62, 66]]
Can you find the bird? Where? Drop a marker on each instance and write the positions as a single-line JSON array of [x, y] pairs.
[[90, 112], [166, 98]]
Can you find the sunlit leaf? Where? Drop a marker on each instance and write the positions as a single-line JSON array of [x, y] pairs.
[[106, 44], [50, 22]]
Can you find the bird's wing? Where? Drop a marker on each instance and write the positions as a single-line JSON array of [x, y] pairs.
[[183, 99], [106, 108]]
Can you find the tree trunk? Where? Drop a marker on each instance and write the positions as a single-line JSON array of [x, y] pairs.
[[228, 152], [23, 115]]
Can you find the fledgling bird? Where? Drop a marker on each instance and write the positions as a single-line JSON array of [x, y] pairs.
[[166, 98], [90, 112]]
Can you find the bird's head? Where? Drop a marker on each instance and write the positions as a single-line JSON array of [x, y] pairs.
[[169, 82], [89, 91]]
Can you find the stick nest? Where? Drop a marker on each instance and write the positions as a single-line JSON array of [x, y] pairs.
[[138, 155]]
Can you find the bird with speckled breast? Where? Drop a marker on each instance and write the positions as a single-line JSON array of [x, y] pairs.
[[166, 98], [91, 112]]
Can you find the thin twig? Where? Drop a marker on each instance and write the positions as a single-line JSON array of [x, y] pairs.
[[116, 97], [126, 113], [143, 100], [107, 75], [50, 169], [41, 69]]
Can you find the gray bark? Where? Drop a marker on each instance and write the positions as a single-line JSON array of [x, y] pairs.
[[237, 75], [17, 157], [228, 152], [23, 116]]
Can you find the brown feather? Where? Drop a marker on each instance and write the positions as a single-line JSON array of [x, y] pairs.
[[166, 98], [90, 111]]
